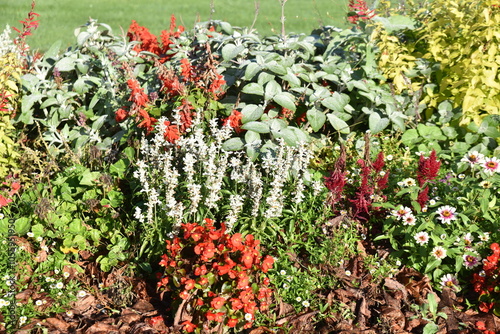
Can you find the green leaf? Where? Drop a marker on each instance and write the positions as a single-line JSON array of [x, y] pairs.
[[118, 168], [27, 102], [316, 118], [230, 51], [430, 328], [460, 147], [377, 123], [410, 137], [276, 68], [431, 299], [76, 227], [256, 126], [22, 225], [338, 124], [226, 27], [65, 64], [272, 89], [292, 79], [251, 112], [336, 102], [49, 102], [254, 89], [251, 71], [53, 50], [233, 144], [251, 137], [396, 22], [285, 100], [88, 177]]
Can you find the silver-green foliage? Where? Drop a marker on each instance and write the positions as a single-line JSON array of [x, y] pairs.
[[72, 96], [329, 76]]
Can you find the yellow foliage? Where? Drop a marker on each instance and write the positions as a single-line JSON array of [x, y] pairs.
[[461, 36], [10, 78]]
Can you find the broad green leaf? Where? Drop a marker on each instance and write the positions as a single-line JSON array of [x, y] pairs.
[[226, 27], [277, 124], [83, 37], [22, 225], [233, 144], [272, 89], [410, 137], [53, 50], [396, 22], [253, 88], [460, 147], [316, 118], [49, 102], [289, 136], [76, 227], [377, 123], [251, 112], [292, 79], [264, 78], [430, 328], [338, 124], [285, 100], [88, 177], [251, 137], [251, 71], [276, 68], [256, 126], [230, 51], [65, 64], [336, 102]]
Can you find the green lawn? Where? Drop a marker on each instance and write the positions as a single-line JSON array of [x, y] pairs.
[[58, 18]]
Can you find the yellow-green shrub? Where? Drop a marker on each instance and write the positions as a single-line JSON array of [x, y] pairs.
[[10, 77], [460, 37]]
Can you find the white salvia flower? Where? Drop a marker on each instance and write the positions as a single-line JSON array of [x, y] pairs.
[[236, 204], [138, 214], [318, 187], [194, 191]]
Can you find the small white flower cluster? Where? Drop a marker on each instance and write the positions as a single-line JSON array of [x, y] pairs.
[[7, 44]]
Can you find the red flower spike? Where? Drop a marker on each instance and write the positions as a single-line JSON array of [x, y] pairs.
[[234, 121], [172, 133]]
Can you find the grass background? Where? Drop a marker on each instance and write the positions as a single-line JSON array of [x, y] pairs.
[[59, 18]]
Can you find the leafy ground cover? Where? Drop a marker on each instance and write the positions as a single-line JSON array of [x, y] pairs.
[[212, 180]]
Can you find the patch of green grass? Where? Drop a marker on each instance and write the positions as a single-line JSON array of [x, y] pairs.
[[59, 18]]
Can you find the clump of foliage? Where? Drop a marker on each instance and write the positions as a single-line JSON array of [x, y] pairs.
[[486, 282], [449, 53], [221, 277]]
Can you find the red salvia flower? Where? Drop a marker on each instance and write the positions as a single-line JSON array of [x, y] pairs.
[[121, 114], [171, 132], [234, 121], [137, 96]]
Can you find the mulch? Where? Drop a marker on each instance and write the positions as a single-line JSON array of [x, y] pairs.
[[388, 307]]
